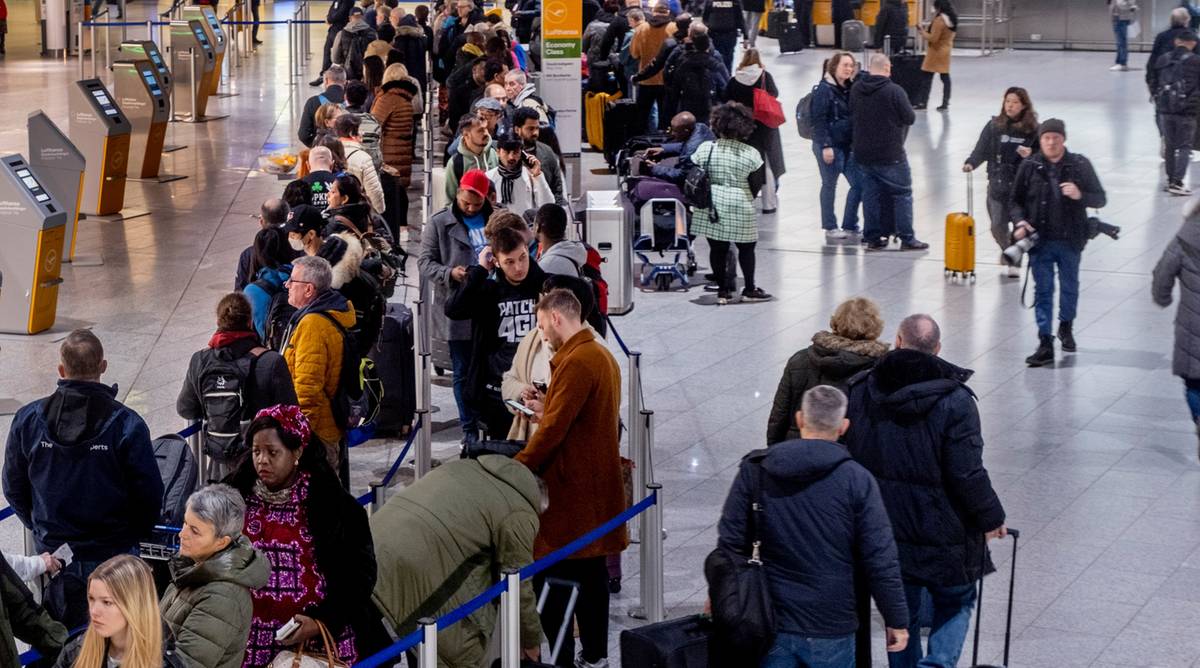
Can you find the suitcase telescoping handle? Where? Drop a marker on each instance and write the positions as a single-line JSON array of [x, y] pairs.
[[1012, 578], [971, 193]]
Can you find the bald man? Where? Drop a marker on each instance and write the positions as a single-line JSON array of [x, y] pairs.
[[686, 135]]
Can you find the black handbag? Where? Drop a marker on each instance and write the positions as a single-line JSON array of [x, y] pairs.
[[476, 449], [697, 187], [743, 618]]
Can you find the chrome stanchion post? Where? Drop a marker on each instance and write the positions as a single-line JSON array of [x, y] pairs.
[[510, 619], [92, 43], [424, 454], [633, 417], [107, 29], [378, 496], [428, 653], [79, 38], [124, 28], [193, 83], [642, 475], [651, 554]]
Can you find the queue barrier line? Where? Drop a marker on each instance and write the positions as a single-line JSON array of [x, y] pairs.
[[365, 499], [266, 23], [488, 595], [616, 334]]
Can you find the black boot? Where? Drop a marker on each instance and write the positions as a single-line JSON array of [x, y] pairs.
[[1044, 355], [1066, 336]]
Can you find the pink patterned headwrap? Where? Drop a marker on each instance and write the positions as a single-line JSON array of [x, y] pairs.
[[291, 419]]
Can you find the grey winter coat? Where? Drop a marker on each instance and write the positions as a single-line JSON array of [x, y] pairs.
[[565, 257], [208, 607], [1181, 260], [444, 246]]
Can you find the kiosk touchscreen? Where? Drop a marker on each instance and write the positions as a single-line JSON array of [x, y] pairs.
[[59, 167], [148, 50], [192, 60], [32, 223], [101, 131], [212, 28], [135, 84]]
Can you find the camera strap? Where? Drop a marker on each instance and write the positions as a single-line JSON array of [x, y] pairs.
[[1025, 283]]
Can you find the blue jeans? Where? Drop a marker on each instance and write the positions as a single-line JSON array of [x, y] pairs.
[[951, 617], [460, 360], [792, 650], [1120, 29], [1192, 393], [893, 182], [843, 163], [1042, 259]]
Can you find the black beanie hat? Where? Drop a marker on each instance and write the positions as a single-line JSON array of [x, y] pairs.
[[1053, 125]]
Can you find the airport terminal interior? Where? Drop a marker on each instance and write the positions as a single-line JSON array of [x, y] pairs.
[[1094, 458]]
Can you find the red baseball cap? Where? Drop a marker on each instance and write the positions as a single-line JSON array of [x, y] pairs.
[[476, 181]]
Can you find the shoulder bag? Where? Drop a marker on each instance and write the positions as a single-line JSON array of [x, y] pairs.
[[697, 186], [767, 109], [300, 659]]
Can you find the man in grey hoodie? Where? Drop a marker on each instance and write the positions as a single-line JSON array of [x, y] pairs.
[[350, 45], [556, 253]]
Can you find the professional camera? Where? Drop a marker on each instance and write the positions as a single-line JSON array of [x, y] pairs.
[[1096, 227], [1021, 246]]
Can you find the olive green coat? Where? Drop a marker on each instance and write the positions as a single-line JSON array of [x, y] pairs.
[[23, 619], [207, 606]]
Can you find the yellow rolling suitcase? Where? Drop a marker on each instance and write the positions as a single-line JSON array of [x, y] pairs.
[[960, 238], [595, 104]]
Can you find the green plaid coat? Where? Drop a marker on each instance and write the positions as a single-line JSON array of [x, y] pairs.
[[729, 163]]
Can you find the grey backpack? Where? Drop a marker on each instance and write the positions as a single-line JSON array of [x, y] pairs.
[[177, 468]]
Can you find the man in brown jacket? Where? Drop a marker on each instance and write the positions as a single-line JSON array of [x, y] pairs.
[[647, 39], [576, 450]]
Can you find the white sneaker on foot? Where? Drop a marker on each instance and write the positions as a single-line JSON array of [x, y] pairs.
[[834, 236], [1118, 68], [1179, 189], [1014, 271]]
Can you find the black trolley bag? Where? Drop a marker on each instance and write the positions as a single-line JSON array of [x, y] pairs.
[[620, 123], [675, 643], [777, 21], [396, 366], [979, 605]]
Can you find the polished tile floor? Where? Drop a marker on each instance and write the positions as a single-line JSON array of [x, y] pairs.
[[1095, 459]]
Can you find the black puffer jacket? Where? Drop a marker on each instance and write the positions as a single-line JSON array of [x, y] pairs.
[[830, 360], [1037, 182], [915, 426], [696, 80], [997, 146], [892, 21], [1181, 260]]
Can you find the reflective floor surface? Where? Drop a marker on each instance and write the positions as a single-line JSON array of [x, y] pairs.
[[1094, 459]]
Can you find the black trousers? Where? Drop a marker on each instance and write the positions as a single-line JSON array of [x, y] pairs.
[[254, 12], [647, 97], [718, 255], [1177, 132], [591, 609], [803, 10], [945, 86], [327, 54], [395, 199]]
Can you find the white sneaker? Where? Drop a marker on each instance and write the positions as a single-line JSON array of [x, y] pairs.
[[1118, 68], [1014, 271], [834, 236], [1179, 189], [580, 663]]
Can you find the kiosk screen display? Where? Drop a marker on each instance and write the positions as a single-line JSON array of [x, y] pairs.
[[200, 36], [152, 83], [30, 182], [212, 21], [105, 103], [157, 60]]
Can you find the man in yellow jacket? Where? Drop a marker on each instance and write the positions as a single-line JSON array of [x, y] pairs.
[[313, 347]]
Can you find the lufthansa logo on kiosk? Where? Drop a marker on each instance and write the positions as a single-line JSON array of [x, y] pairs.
[[50, 262]]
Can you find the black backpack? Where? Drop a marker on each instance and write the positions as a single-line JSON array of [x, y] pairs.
[[177, 468], [279, 313], [1173, 90], [358, 49], [360, 390], [225, 386]]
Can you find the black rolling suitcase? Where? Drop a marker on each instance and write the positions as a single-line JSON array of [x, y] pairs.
[[777, 21], [675, 643], [620, 123], [394, 362], [906, 72], [854, 35], [791, 40], [1012, 578]]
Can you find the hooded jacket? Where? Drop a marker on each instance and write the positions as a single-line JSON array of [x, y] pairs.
[[313, 351], [456, 167], [260, 299], [830, 360], [1036, 186], [914, 425], [410, 41], [1164, 42], [697, 81], [501, 314], [356, 35], [344, 252], [208, 608], [673, 170], [832, 126], [79, 468], [1189, 79], [822, 520], [740, 88], [1181, 261], [446, 245], [564, 257], [360, 164], [881, 114], [22, 618], [308, 118], [444, 539], [647, 41]]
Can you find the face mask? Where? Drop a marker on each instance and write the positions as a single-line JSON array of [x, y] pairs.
[[296, 244]]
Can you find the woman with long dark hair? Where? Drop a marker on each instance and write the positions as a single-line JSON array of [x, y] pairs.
[[1006, 139], [939, 36], [314, 534]]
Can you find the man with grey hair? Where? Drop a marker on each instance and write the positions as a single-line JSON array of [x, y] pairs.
[[826, 522], [915, 426], [79, 469], [427, 565], [1164, 42], [314, 349], [334, 79]]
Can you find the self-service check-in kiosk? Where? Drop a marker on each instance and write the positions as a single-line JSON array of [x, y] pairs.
[[148, 50], [33, 224], [102, 133], [192, 60], [59, 167], [144, 103], [212, 28]]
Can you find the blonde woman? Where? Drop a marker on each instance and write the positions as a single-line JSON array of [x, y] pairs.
[[124, 625]]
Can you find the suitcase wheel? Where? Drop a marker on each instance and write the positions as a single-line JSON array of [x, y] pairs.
[[439, 371]]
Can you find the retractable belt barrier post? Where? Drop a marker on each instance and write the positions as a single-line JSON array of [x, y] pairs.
[[429, 629], [510, 620]]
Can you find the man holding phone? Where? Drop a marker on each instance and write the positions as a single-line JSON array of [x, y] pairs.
[[518, 179], [1051, 194]]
